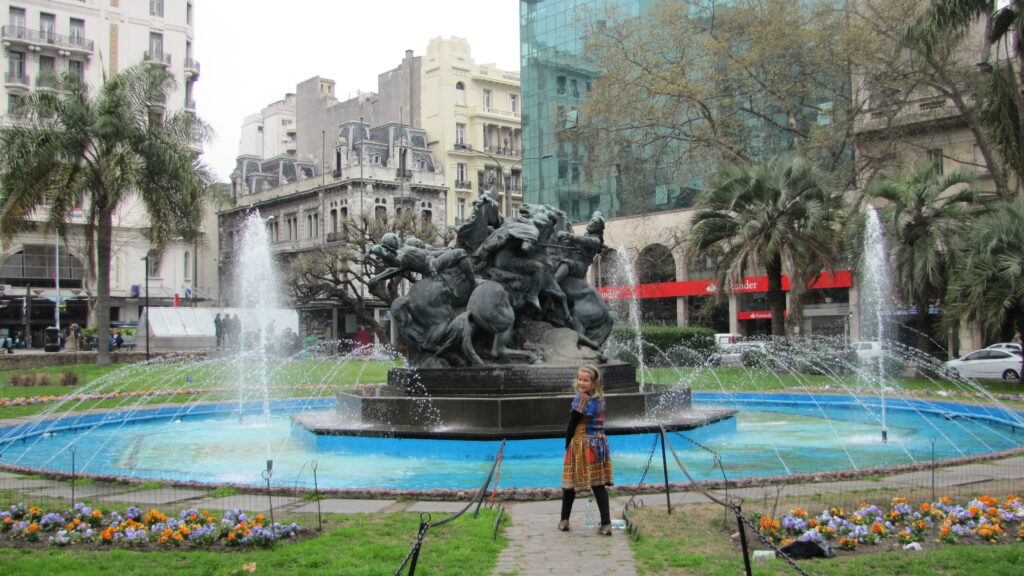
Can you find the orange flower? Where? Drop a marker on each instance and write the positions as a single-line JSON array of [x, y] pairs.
[[926, 507], [33, 527], [231, 535]]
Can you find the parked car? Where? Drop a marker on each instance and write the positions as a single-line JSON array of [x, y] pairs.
[[1006, 346], [985, 363], [867, 350], [726, 340], [733, 355]]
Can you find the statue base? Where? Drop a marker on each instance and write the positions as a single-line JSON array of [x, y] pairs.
[[501, 402]]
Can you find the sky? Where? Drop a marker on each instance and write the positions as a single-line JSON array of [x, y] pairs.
[[253, 52]]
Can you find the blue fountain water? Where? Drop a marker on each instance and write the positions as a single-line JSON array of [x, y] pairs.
[[773, 434]]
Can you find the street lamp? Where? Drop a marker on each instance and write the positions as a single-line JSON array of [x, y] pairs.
[[501, 172], [148, 327]]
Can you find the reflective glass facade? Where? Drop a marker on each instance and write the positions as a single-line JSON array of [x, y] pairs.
[[557, 76]]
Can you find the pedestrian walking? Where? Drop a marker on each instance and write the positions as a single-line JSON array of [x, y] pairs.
[[588, 462], [218, 330]]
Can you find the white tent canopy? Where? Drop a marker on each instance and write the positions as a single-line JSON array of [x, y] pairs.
[[192, 328]]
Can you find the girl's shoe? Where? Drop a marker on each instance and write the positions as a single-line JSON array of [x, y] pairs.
[[563, 525], [605, 530]]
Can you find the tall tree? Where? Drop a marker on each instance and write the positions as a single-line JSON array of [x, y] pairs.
[[921, 213], [68, 148], [988, 272], [999, 103], [777, 215]]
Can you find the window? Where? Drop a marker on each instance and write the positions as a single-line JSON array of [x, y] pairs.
[[188, 265], [156, 46], [381, 213], [488, 97], [13, 101], [935, 156], [16, 19], [573, 89], [47, 72], [77, 67], [460, 134], [48, 27], [156, 8], [461, 172], [460, 94], [460, 210], [16, 65], [513, 103], [77, 32], [428, 217], [561, 85], [152, 265]]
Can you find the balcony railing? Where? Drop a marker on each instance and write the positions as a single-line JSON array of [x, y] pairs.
[[75, 42], [17, 78], [463, 185], [191, 66], [157, 58], [503, 150]]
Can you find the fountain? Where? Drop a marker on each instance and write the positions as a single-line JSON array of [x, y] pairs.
[[389, 436], [519, 282]]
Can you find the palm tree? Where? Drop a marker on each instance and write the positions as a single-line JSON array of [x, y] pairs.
[[921, 212], [67, 148], [772, 216], [988, 275]]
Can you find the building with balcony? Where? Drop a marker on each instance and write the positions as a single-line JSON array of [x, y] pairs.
[[381, 171], [93, 38]]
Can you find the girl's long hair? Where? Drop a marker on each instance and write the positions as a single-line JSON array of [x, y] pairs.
[[595, 373]]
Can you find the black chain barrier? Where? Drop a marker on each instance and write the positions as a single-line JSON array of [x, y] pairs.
[[425, 523], [737, 510]]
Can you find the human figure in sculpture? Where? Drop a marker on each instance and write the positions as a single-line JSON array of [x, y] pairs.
[[511, 248], [581, 249], [418, 256]]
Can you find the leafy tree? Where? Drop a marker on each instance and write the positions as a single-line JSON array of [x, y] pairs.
[[67, 148], [922, 213], [341, 271], [777, 215], [987, 284], [997, 104]]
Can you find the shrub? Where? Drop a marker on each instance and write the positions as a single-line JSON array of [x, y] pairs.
[[18, 380], [43, 379], [68, 379], [681, 345]]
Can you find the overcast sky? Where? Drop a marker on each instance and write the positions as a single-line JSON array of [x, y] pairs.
[[253, 52]]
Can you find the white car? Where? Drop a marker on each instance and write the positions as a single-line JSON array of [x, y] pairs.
[[867, 350], [985, 363], [733, 355], [1006, 346]]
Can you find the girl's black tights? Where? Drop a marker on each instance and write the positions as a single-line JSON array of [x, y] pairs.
[[600, 494]]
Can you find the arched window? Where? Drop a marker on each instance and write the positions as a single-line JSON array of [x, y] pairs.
[[381, 213], [34, 265], [460, 94], [427, 217]]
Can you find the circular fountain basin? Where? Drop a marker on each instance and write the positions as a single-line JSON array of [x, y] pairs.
[[772, 434]]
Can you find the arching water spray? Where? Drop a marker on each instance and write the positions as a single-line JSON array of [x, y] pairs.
[[875, 297]]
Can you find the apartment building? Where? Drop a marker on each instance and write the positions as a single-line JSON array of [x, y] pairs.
[[44, 278]]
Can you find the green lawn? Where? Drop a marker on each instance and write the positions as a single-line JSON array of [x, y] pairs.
[[356, 545]]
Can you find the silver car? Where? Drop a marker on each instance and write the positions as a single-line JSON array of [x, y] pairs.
[[733, 355], [987, 364]]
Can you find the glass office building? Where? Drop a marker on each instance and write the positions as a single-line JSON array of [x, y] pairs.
[[558, 74]]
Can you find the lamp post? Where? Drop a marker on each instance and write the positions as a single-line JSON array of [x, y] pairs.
[[148, 327]]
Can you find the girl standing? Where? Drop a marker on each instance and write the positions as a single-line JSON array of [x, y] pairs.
[[588, 463]]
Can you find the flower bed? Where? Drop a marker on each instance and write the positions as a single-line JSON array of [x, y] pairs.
[[135, 528], [984, 519]]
